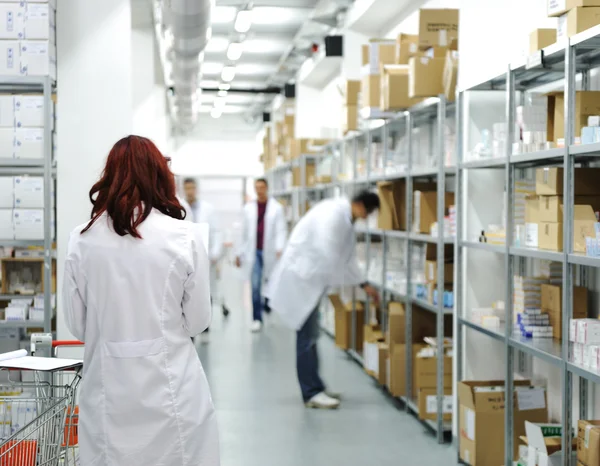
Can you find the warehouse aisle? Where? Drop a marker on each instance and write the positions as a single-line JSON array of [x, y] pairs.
[[263, 422]]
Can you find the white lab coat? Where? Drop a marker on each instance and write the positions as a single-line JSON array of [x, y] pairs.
[[275, 232], [321, 253], [144, 399], [204, 212], [188, 209]]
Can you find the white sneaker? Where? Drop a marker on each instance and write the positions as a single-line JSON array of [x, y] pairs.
[[334, 395], [322, 401], [256, 326]]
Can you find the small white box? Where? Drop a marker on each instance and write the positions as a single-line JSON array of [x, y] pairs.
[[29, 111], [588, 331], [6, 224], [29, 143], [7, 111], [40, 22], [38, 58], [16, 312], [7, 196], [36, 314], [12, 20], [28, 224], [29, 192], [7, 143], [10, 58], [578, 350]]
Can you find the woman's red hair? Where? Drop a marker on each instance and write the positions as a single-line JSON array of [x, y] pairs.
[[136, 179]]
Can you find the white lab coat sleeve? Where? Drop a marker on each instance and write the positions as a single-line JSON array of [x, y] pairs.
[[331, 249], [197, 309], [74, 299], [353, 274], [281, 229], [243, 246]]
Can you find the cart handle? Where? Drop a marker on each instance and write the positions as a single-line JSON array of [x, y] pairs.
[[57, 343]]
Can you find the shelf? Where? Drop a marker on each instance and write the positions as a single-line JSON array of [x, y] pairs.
[[538, 158], [496, 248], [589, 150], [547, 349], [433, 425], [357, 357], [537, 254], [428, 238], [495, 162], [495, 334], [584, 372], [317, 72], [430, 172], [373, 113], [581, 259], [397, 234], [6, 297], [430, 307], [21, 324], [20, 243]]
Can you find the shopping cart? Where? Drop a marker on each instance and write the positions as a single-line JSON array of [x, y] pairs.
[[38, 415]]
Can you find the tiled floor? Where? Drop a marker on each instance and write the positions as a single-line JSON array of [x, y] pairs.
[[264, 423]]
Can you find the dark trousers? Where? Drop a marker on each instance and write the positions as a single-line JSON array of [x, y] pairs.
[[307, 358], [257, 278]]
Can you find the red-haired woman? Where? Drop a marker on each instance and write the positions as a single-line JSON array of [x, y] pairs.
[[136, 289]]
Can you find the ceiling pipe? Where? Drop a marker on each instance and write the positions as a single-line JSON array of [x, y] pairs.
[[189, 22], [266, 90]]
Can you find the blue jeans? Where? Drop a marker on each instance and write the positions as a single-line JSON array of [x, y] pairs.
[[307, 359], [257, 278]]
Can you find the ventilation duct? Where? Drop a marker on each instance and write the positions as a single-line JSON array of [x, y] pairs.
[[189, 22]]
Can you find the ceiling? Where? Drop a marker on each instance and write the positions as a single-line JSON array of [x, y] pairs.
[[267, 59]]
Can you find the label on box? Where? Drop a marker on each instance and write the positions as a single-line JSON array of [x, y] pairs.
[[10, 57], [36, 48], [556, 6], [31, 102], [33, 135], [37, 11], [470, 427], [10, 21], [531, 235], [447, 404], [530, 399], [561, 28]]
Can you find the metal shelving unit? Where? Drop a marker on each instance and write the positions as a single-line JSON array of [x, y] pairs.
[[356, 149], [45, 168], [559, 62]]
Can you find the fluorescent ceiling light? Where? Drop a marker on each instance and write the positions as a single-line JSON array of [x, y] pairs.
[[222, 93], [224, 87], [234, 51], [219, 102], [217, 44], [243, 21], [264, 46], [216, 112], [228, 73]]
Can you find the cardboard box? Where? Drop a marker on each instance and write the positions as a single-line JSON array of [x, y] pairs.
[[6, 224], [38, 58], [40, 22], [550, 235], [396, 325], [587, 103], [552, 304], [7, 111], [397, 369], [450, 75], [549, 181], [349, 118], [303, 146], [29, 111], [351, 91], [425, 209], [10, 61], [289, 124], [427, 402], [310, 175], [392, 209], [551, 207], [577, 20], [7, 192], [407, 45], [426, 372], [380, 52], [438, 28], [545, 450], [559, 7], [532, 209], [383, 354], [425, 77], [394, 88], [29, 192], [28, 224], [588, 442], [481, 411], [343, 323], [12, 25], [371, 91], [541, 38], [29, 143], [431, 272]]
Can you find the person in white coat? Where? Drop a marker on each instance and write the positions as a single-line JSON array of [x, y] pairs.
[[204, 212], [321, 253], [263, 240], [136, 288]]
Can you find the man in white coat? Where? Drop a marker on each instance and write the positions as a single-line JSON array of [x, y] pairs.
[[204, 212], [263, 239], [320, 253]]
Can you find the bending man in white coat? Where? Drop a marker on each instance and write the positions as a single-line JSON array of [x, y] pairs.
[[204, 212], [262, 243], [321, 253]]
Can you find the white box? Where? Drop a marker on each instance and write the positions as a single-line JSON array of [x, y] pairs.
[[7, 111], [52, 3], [29, 143], [36, 314], [29, 111], [6, 224], [16, 313], [7, 197], [40, 22], [10, 58], [28, 224], [578, 350], [588, 331], [29, 192], [12, 20], [7, 143], [38, 58]]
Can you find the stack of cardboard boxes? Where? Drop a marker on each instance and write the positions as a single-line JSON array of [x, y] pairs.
[[426, 383], [574, 16], [343, 323], [547, 208], [588, 443], [350, 94], [376, 54]]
